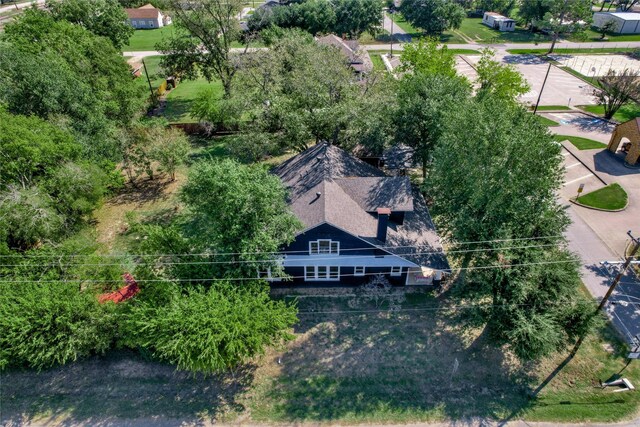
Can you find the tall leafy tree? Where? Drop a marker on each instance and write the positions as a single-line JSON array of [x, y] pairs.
[[315, 16], [533, 11], [425, 107], [353, 17], [504, 7], [496, 178], [566, 17], [501, 81], [104, 18], [428, 57], [61, 72], [617, 88], [433, 16], [202, 43]]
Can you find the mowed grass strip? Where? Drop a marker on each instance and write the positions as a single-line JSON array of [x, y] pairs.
[[581, 143], [624, 114], [612, 197], [551, 108], [547, 122]]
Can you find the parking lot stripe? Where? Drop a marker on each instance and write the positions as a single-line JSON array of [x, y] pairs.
[[577, 179]]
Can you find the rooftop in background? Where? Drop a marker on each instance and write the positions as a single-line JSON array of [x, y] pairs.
[[359, 60]]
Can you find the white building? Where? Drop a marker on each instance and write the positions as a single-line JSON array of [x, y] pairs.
[[147, 17], [625, 22], [498, 22]]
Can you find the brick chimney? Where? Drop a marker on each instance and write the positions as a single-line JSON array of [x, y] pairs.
[[383, 221]]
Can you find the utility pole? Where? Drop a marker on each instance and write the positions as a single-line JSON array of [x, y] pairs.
[[542, 88], [635, 247], [148, 80]]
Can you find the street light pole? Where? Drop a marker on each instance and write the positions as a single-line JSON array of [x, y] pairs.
[[391, 17]]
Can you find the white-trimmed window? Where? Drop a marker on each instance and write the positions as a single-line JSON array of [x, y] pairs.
[[324, 247], [134, 22], [396, 271], [268, 275], [321, 272], [358, 271]]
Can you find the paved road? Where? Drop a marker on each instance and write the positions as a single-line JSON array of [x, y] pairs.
[[392, 28], [20, 6]]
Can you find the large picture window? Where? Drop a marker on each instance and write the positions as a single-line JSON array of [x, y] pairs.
[[358, 271], [324, 247], [321, 272]]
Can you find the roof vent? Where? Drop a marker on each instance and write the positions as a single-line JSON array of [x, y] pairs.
[[318, 194]]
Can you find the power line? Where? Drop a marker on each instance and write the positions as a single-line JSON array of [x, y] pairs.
[[502, 266], [273, 252], [308, 259]]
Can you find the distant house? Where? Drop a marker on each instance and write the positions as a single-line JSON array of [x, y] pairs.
[[358, 223], [498, 22], [625, 22], [147, 17], [359, 59]]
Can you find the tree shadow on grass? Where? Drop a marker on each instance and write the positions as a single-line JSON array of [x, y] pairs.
[[403, 366], [102, 391]]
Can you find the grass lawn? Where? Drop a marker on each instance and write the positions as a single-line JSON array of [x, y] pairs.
[[625, 113], [347, 365], [378, 63], [547, 122], [581, 143], [552, 108], [611, 197], [589, 51], [179, 99], [147, 39], [474, 29], [594, 36]]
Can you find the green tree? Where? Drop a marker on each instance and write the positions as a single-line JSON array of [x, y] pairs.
[[497, 178], [426, 104], [616, 89], [428, 57], [502, 6], [104, 18], [170, 150], [501, 81], [201, 45], [353, 17], [533, 11], [238, 209], [42, 325], [28, 216], [31, 148], [210, 330], [64, 73], [315, 16], [297, 91], [433, 16], [566, 17]]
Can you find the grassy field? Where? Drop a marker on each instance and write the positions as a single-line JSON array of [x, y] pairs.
[[611, 197], [378, 63], [147, 39], [179, 100], [351, 362], [625, 113], [581, 143]]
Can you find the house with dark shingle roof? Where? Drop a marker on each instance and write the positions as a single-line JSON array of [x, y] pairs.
[[358, 222], [358, 59]]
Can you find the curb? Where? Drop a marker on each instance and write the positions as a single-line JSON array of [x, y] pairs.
[[575, 202]]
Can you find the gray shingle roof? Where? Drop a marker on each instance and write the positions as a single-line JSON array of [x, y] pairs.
[[326, 184]]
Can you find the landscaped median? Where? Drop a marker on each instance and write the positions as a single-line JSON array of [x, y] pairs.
[[581, 143], [611, 198]]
